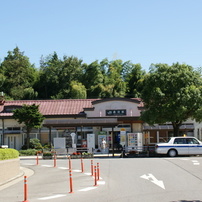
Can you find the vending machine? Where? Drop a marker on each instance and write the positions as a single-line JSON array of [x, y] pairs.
[[91, 142], [135, 142]]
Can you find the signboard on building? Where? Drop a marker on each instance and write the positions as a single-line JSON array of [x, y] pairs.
[[115, 112], [123, 137]]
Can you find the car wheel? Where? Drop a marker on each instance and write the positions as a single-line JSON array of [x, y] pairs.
[[172, 153]]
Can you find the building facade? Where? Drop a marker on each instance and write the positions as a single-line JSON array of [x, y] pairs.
[[81, 117]]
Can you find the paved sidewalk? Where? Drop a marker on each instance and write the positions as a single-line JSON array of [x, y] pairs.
[[23, 172]]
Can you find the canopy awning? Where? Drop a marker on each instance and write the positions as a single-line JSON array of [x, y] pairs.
[[112, 122], [169, 127]]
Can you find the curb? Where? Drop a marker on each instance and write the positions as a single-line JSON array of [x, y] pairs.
[[23, 171]]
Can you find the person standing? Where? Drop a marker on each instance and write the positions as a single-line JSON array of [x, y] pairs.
[[103, 144]]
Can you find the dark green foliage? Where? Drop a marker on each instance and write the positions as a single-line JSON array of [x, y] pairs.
[[47, 154], [33, 144], [17, 76], [172, 94], [66, 78], [8, 154], [28, 152], [30, 116], [48, 146]]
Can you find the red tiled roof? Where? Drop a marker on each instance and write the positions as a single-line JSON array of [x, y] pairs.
[[53, 107], [56, 107]]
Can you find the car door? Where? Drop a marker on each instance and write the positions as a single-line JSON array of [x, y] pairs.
[[181, 146], [195, 147]]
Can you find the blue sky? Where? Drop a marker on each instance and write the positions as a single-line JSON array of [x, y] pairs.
[[142, 31]]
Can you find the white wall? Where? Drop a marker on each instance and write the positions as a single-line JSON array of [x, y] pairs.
[[100, 108]]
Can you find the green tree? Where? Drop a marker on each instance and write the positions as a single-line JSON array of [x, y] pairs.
[[77, 90], [93, 79], [70, 71], [57, 74], [133, 79], [17, 75], [172, 94], [30, 116], [114, 83], [48, 83]]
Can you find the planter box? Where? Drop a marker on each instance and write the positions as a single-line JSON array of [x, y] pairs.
[[47, 157], [82, 156]]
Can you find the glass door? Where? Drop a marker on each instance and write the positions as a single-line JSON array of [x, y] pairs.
[[12, 139]]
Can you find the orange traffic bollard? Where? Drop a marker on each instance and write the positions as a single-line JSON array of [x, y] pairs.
[[92, 167], [70, 163], [98, 171], [70, 181], [82, 166], [25, 189], [95, 175], [37, 159], [55, 159]]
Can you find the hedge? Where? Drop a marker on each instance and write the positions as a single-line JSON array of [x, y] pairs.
[[8, 154], [28, 152]]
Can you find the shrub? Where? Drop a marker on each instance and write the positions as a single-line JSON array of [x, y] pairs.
[[8, 154], [33, 144], [47, 146], [28, 152], [47, 154]]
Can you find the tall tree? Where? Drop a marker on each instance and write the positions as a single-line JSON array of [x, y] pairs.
[[77, 90], [57, 74], [114, 83], [18, 75], [30, 116], [70, 71], [93, 79], [133, 79], [172, 94], [48, 83]]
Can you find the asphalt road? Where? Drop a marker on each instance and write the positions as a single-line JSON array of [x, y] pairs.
[[122, 180]]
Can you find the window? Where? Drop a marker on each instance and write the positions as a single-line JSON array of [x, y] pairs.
[[180, 141], [192, 141]]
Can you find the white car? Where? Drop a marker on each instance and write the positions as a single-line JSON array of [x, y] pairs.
[[180, 146]]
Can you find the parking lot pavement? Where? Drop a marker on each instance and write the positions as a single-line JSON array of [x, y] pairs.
[[46, 178], [25, 171]]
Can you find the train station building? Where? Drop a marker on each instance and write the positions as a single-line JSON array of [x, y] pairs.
[[109, 118]]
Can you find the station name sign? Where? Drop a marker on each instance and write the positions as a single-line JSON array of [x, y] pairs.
[[116, 112]]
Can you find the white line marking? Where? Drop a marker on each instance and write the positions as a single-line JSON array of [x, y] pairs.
[[52, 197], [77, 171], [195, 162], [88, 189], [88, 173], [152, 179], [64, 168], [101, 182], [46, 166]]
